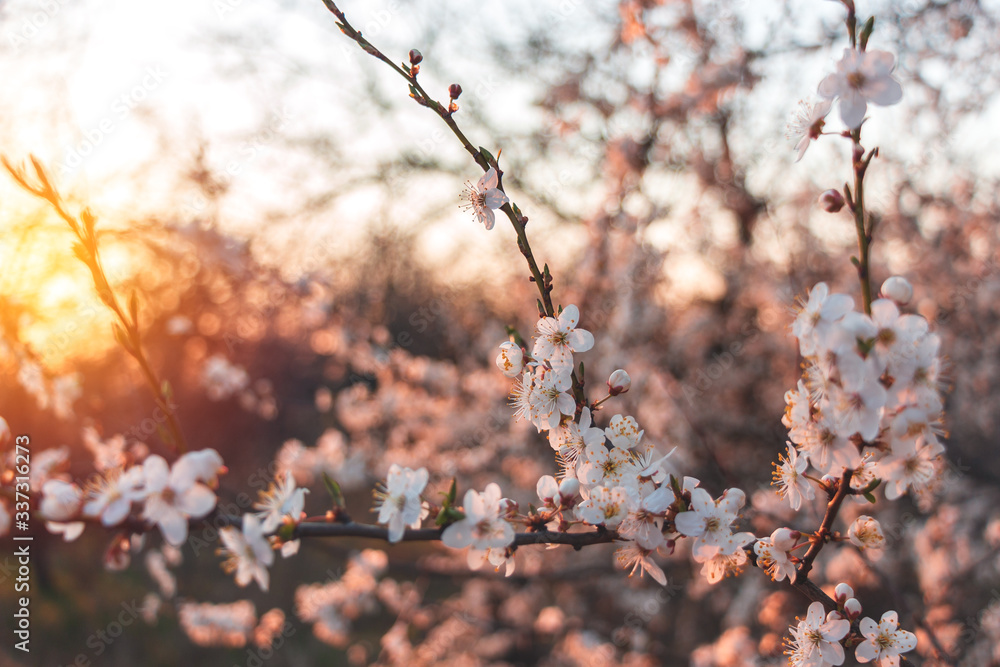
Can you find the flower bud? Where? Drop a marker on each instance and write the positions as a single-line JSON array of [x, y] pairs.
[[415, 57], [510, 361], [454, 90], [831, 201], [898, 289], [785, 538], [842, 592], [852, 608], [619, 382], [508, 507], [568, 488]]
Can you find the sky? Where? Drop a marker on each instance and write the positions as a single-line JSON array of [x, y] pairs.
[[117, 97]]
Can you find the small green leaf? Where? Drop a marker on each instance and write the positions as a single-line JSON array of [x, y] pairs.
[[866, 32], [488, 156], [334, 490], [414, 93], [448, 515], [855, 261], [870, 498], [581, 372]]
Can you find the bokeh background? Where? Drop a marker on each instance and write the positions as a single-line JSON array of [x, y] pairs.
[[318, 301]]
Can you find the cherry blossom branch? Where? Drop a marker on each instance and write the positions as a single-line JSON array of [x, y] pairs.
[[126, 330], [864, 224], [542, 279], [826, 527]]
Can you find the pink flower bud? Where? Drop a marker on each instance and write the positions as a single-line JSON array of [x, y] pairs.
[[568, 488], [831, 201], [785, 538], [898, 289], [619, 382], [415, 57], [852, 608], [508, 507], [842, 592], [454, 90], [510, 361]]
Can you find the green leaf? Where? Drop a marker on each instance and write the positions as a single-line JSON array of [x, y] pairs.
[[855, 261], [517, 211], [414, 93], [334, 490], [448, 515], [452, 494], [866, 32], [488, 156], [870, 498], [581, 372]]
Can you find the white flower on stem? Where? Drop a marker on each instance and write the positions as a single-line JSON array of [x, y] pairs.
[[599, 466], [510, 361], [571, 439], [816, 317], [862, 77], [866, 533], [807, 124], [60, 500], [604, 506], [772, 556], [645, 517], [623, 432], [634, 556], [550, 399], [483, 526], [885, 640], [557, 339], [399, 504], [725, 561], [859, 408], [484, 197], [249, 552], [204, 465], [173, 496], [817, 637], [281, 499], [111, 495], [789, 477], [912, 463], [709, 520]]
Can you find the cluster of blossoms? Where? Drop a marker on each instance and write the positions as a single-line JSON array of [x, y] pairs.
[[816, 641], [869, 400], [168, 495], [861, 77]]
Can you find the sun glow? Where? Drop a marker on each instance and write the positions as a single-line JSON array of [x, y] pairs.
[[49, 294]]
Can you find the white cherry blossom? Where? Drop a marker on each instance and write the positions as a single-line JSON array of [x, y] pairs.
[[885, 641], [483, 526], [557, 339], [862, 77], [399, 505], [249, 552], [484, 197]]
